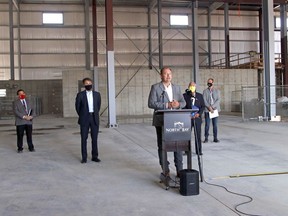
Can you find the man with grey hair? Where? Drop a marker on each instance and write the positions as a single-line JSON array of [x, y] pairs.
[[211, 97]]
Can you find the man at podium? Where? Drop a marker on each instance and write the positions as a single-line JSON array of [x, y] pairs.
[[165, 95]]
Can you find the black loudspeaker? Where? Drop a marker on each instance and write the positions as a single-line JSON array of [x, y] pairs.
[[189, 182]]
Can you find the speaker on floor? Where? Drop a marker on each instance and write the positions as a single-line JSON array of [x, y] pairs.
[[189, 182]]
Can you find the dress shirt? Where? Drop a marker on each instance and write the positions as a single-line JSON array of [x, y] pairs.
[[169, 92], [23, 101], [89, 95]]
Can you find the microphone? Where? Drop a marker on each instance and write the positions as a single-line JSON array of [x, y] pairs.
[[188, 91]]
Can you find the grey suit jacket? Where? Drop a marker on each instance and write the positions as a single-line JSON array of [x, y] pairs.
[[208, 100], [158, 98], [19, 112]]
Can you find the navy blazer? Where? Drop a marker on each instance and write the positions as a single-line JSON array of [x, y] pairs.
[[199, 101], [81, 106]]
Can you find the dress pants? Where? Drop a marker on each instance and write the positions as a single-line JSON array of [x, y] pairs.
[[20, 133], [178, 156], [207, 126], [84, 130]]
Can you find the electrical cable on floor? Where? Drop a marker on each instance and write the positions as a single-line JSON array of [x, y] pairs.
[[238, 194]]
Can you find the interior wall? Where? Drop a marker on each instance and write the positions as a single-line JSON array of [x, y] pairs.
[[45, 94], [45, 51], [133, 87]]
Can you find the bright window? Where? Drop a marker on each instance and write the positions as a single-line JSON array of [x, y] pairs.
[[52, 18], [2, 92], [278, 22], [179, 20]]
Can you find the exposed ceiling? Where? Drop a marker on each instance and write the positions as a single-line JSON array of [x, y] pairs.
[[233, 4]]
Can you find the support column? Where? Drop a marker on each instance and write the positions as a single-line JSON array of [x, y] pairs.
[[87, 35], [195, 44], [284, 50], [149, 37], [160, 44], [95, 47], [269, 59], [209, 38], [110, 65], [227, 39], [11, 36]]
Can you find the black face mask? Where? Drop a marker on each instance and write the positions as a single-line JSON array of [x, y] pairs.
[[88, 87], [209, 84]]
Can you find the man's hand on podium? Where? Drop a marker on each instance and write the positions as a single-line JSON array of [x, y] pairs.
[[173, 105]]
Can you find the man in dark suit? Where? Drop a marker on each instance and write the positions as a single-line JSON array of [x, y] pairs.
[[165, 95], [194, 100], [87, 105], [23, 120]]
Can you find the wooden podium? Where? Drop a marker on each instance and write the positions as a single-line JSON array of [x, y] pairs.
[[176, 136]]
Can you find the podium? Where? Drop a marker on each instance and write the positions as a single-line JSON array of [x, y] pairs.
[[176, 136]]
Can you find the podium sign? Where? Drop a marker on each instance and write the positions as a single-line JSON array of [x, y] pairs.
[[177, 126]]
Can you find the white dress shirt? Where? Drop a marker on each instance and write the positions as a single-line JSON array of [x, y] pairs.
[[169, 92], [89, 95]]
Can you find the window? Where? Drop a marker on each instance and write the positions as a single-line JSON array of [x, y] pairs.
[[278, 22], [177, 20], [52, 18], [2, 92]]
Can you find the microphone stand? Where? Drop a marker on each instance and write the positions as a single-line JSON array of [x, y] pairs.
[[196, 142], [198, 150]]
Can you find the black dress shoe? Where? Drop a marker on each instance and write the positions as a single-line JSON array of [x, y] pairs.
[[83, 161], [205, 141], [32, 150], [216, 140], [96, 160], [19, 151]]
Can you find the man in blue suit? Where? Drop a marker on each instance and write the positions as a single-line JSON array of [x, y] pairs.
[[165, 95], [87, 105]]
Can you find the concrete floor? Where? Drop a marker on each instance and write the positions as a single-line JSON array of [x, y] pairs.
[[53, 182]]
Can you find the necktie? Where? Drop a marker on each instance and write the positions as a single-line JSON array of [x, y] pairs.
[[24, 104]]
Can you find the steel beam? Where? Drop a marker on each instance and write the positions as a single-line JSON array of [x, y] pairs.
[[87, 35], [11, 38], [269, 59], [195, 41], [95, 47], [284, 56], [160, 43], [110, 65], [227, 36]]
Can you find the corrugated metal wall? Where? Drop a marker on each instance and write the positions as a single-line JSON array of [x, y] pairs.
[[47, 50]]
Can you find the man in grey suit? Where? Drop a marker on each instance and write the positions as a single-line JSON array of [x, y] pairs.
[[165, 95], [211, 98], [23, 120]]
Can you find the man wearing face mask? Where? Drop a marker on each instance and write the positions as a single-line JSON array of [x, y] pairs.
[[87, 105], [23, 120], [194, 100], [212, 102]]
